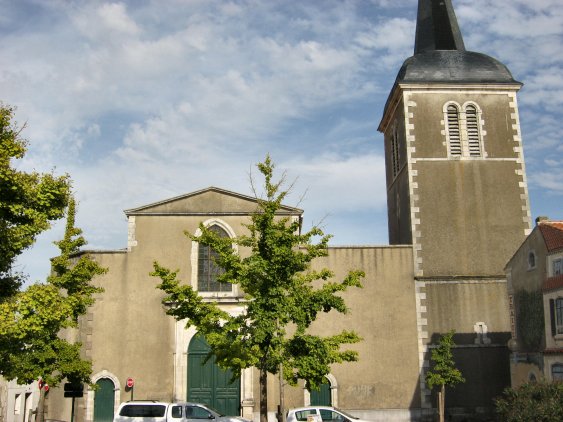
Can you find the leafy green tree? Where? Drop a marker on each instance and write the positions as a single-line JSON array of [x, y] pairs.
[[29, 202], [443, 371], [534, 401], [31, 345], [283, 297]]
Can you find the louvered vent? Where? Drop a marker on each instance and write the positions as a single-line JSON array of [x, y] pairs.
[[395, 152], [472, 131], [453, 130]]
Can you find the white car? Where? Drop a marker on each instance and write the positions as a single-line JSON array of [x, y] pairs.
[[155, 411], [320, 414]]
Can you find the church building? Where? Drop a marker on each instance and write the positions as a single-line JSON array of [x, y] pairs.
[[458, 209]]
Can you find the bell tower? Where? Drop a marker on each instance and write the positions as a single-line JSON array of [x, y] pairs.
[[457, 192]]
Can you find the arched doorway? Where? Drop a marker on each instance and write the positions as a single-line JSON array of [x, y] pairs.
[[322, 397], [104, 400], [209, 384]]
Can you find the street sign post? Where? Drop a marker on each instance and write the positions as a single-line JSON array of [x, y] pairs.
[[130, 384], [73, 390]]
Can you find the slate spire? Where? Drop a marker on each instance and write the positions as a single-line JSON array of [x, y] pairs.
[[436, 27]]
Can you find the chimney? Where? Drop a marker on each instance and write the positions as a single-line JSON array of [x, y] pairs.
[[541, 219]]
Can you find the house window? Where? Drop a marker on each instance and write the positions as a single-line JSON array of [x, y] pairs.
[[464, 134], [557, 372], [559, 315], [531, 260], [557, 267], [208, 270]]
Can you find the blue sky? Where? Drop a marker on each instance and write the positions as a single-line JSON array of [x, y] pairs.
[[144, 100]]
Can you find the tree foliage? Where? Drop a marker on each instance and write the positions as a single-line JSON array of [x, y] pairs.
[[534, 401], [31, 320], [283, 296], [443, 371], [29, 202]]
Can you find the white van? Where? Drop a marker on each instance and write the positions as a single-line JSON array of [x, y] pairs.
[[155, 411]]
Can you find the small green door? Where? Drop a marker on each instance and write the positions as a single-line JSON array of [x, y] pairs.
[[104, 400], [321, 397], [209, 384]]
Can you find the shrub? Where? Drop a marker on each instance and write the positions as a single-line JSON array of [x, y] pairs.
[[534, 401]]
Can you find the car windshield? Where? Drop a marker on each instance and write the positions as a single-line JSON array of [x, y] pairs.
[[214, 410]]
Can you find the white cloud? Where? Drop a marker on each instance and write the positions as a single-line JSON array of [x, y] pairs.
[[105, 22], [140, 101]]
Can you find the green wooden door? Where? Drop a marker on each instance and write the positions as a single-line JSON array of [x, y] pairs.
[[321, 397], [209, 384], [104, 400]]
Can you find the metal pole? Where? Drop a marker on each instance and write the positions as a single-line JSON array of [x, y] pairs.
[[282, 397], [72, 411]]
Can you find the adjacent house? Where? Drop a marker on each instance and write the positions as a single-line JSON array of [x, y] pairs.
[[535, 288]]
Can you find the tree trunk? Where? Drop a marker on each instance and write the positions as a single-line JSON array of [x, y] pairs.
[[40, 416], [263, 395], [282, 396], [441, 402]]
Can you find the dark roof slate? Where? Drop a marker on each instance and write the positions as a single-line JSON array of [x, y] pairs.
[[440, 55], [454, 66]]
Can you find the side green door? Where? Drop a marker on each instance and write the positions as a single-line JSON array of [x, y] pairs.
[[321, 397], [104, 400], [209, 384]]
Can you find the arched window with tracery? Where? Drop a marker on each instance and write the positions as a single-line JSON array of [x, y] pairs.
[[208, 270]]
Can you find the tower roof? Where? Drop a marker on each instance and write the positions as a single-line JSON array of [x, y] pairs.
[[440, 55]]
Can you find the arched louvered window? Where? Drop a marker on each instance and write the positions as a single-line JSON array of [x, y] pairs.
[[473, 131], [395, 151], [464, 133], [453, 130], [208, 270]]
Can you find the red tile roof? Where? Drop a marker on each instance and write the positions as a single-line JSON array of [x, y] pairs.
[[552, 232], [553, 283]]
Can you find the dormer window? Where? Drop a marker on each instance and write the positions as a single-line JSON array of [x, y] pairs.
[[464, 134]]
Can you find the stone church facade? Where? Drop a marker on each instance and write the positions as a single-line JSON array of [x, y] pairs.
[[457, 211]]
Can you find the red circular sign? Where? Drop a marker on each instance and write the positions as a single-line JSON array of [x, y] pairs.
[[130, 383]]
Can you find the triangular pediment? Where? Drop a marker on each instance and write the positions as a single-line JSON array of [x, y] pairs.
[[210, 201]]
